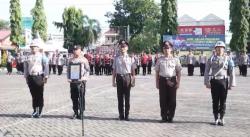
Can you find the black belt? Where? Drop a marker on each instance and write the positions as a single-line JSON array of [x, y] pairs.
[[123, 75], [168, 78], [36, 74]]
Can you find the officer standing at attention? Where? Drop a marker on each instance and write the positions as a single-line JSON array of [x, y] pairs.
[[123, 77], [244, 62], [36, 71], [202, 61], [78, 86], [219, 63], [168, 75], [190, 63]]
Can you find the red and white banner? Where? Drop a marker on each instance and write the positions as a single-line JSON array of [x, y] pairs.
[[201, 30]]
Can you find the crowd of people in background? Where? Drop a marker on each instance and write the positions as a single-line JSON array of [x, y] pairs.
[[101, 64]]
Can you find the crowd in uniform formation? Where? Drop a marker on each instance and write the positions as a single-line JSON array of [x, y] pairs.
[[218, 71]]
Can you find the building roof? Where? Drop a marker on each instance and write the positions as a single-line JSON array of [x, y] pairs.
[[4, 34], [111, 31], [210, 19]]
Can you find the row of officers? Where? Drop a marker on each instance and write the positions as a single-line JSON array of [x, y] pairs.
[[218, 76], [102, 64]]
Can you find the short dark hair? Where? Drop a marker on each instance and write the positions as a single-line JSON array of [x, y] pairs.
[[121, 42], [165, 42]]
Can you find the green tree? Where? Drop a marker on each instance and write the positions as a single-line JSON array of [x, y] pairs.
[[4, 24], [40, 23], [72, 26], [239, 25], [169, 18], [148, 40], [133, 13], [78, 29], [91, 30], [15, 23]]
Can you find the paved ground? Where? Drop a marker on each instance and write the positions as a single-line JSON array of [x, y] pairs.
[[193, 113]]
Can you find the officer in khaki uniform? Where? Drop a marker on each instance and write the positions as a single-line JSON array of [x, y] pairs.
[[36, 71], [202, 62], [123, 78], [244, 61], [168, 74], [77, 88], [190, 63], [218, 80]]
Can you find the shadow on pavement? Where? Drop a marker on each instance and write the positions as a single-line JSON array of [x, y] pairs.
[[105, 119]]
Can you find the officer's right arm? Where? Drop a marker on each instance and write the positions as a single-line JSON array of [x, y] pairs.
[[25, 69], [114, 73], [157, 71], [68, 70], [206, 74]]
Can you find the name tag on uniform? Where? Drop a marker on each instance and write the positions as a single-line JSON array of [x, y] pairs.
[[75, 71]]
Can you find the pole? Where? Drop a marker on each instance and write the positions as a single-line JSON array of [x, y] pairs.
[[81, 96]]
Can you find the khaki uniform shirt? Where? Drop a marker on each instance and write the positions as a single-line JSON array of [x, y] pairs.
[[202, 59], [168, 67], [219, 66], [36, 64], [124, 64], [191, 59]]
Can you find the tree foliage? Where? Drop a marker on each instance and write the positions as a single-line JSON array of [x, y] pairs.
[[40, 23], [78, 29], [134, 13], [148, 40], [15, 23], [91, 30], [169, 17], [239, 26]]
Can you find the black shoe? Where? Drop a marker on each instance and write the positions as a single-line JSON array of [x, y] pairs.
[[121, 117], [170, 120], [126, 118], [163, 120], [34, 114], [74, 116]]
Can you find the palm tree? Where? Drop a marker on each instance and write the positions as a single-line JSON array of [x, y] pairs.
[[91, 30]]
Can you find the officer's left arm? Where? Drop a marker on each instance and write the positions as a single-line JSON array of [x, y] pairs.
[[86, 68], [133, 67], [178, 72], [232, 82], [45, 63]]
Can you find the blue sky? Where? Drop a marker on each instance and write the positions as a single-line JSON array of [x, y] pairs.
[[97, 8]]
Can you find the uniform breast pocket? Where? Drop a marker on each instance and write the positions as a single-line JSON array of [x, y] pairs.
[[215, 65], [171, 65], [162, 64]]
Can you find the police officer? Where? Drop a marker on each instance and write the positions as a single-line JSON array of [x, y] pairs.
[[219, 63], [150, 62], [53, 62], [77, 88], [202, 61], [60, 62], [244, 62], [240, 62], [144, 62], [190, 63], [168, 74], [36, 71], [123, 77], [10, 59]]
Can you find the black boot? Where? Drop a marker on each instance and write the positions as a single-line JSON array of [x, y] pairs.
[[40, 109], [75, 115]]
